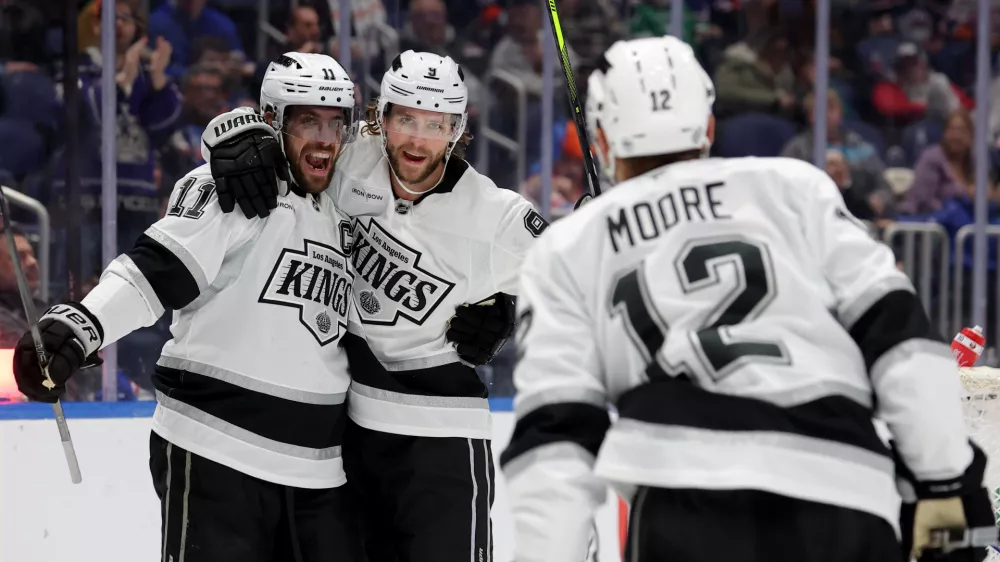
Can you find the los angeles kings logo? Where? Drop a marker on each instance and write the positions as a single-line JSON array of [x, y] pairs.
[[318, 283], [390, 282]]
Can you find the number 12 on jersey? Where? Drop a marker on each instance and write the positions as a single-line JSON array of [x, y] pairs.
[[698, 267]]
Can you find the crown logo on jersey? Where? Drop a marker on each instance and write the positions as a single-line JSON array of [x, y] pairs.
[[389, 282], [318, 282], [323, 322], [369, 302]]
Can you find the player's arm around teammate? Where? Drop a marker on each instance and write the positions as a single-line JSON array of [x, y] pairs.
[[245, 453]]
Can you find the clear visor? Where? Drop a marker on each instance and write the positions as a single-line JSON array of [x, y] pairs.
[[425, 124], [327, 125]]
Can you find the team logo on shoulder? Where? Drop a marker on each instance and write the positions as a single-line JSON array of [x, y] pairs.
[[535, 224], [391, 284], [318, 282]]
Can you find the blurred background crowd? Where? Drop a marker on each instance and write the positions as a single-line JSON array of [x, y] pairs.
[[899, 122]]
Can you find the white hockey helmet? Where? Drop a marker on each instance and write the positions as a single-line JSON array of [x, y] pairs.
[[429, 82], [593, 108], [308, 79], [656, 98]]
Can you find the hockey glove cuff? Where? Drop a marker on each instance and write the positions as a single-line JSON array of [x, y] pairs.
[[246, 160], [479, 331], [71, 336], [947, 519]]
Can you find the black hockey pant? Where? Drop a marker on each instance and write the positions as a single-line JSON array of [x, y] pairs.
[[422, 499], [752, 526], [213, 513]]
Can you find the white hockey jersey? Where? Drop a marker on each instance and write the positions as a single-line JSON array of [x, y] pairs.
[[747, 329], [254, 377], [414, 264]]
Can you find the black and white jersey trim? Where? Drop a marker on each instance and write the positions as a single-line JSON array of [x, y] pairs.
[[677, 403], [124, 267], [580, 424], [442, 401], [897, 317], [289, 427], [167, 269]]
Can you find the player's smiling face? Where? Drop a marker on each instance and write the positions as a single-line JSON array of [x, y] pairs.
[[313, 137], [416, 142]]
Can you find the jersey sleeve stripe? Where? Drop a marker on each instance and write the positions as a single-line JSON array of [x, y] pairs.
[[182, 254], [170, 278], [850, 312], [581, 424], [895, 318], [277, 424], [525, 404], [256, 385], [124, 267], [677, 403]]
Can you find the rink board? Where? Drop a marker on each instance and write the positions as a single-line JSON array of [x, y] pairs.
[[113, 516]]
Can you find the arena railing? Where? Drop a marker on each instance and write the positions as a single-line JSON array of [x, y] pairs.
[[18, 199], [515, 145], [925, 237]]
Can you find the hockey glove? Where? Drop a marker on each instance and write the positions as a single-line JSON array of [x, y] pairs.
[[947, 520], [246, 161], [479, 331], [71, 336]]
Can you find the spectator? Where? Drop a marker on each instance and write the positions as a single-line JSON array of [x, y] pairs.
[[28, 102], [866, 169], [857, 203], [204, 98], [590, 27], [918, 91], [567, 172], [302, 31], [12, 322], [148, 112], [180, 22], [755, 75], [213, 52], [520, 50], [944, 170]]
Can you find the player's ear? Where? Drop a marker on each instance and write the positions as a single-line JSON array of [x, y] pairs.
[[269, 117], [711, 129]]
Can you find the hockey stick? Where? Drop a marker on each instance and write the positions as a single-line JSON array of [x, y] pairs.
[[574, 102], [32, 317]]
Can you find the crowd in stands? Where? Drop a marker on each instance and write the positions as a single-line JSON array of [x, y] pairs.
[[899, 127]]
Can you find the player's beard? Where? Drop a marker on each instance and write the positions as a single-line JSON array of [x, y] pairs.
[[312, 183], [405, 172]]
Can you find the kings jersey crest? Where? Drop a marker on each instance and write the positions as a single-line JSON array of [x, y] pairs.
[[318, 282], [390, 284]]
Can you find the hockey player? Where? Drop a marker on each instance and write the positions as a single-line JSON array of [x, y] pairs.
[[418, 443], [747, 329], [245, 450]]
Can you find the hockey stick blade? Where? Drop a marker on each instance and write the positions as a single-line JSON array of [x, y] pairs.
[[574, 100], [32, 318]]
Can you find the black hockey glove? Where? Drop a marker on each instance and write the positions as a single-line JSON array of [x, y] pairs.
[[71, 336], [246, 161], [946, 520], [479, 331]]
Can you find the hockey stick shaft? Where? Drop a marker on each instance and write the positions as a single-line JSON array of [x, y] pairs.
[[32, 318], [574, 100]]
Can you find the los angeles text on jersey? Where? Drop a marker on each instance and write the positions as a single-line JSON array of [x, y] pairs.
[[390, 282], [645, 221], [317, 282]]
